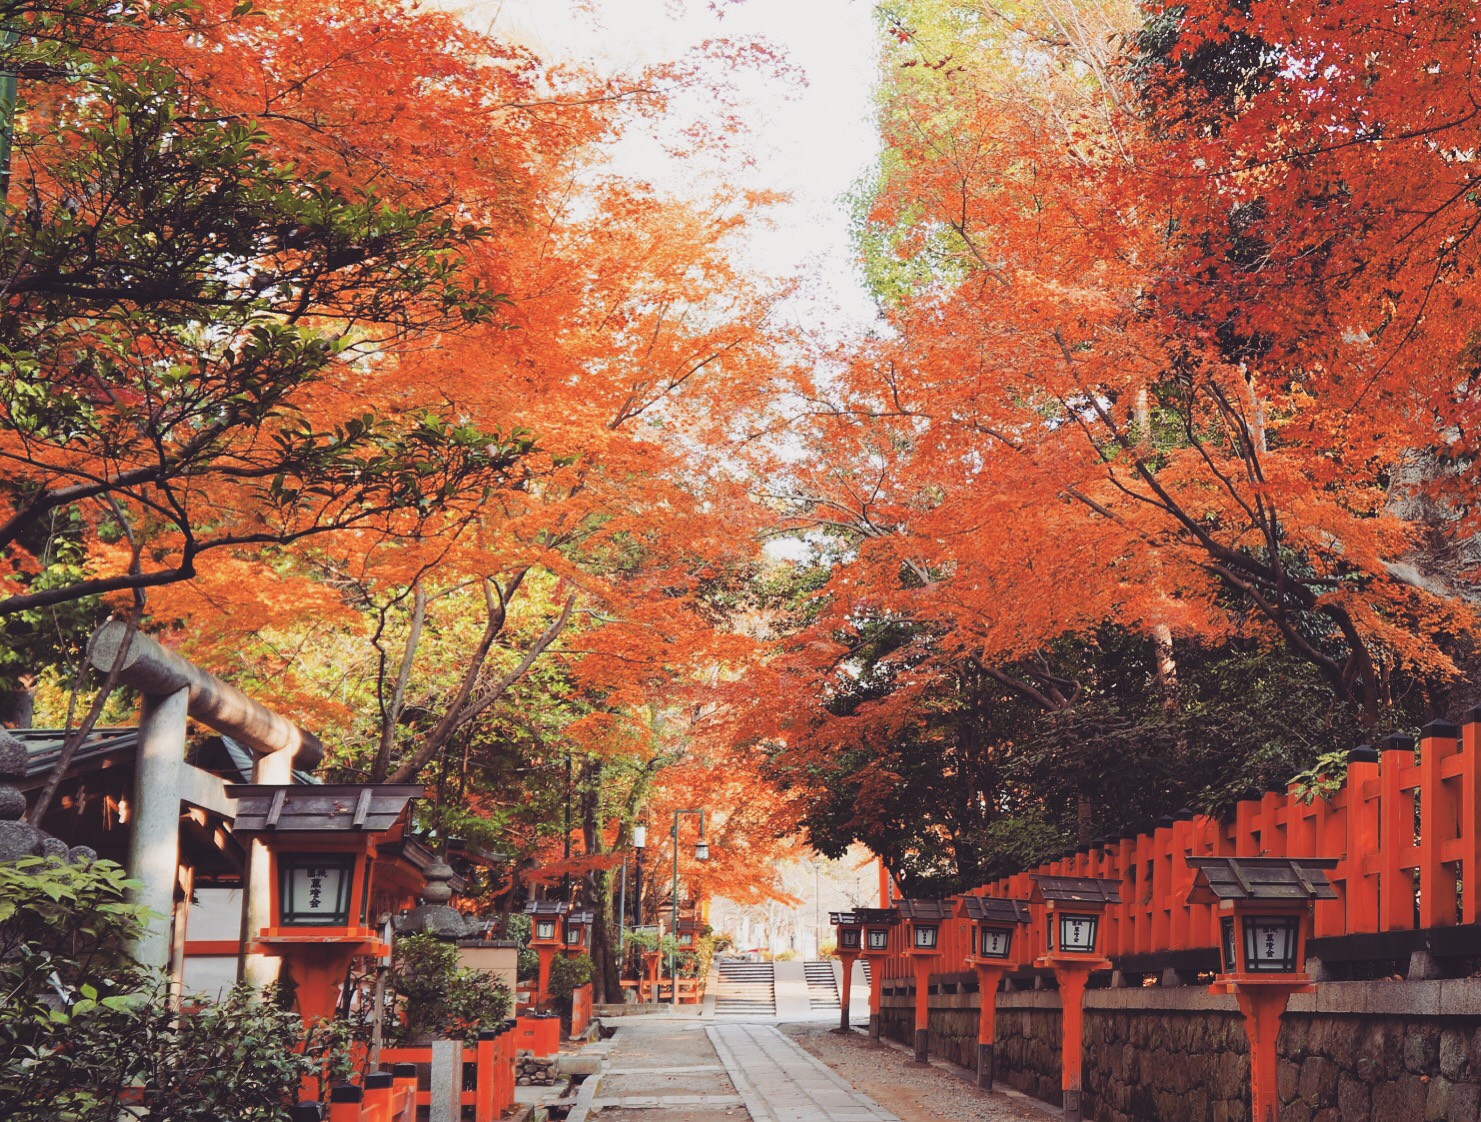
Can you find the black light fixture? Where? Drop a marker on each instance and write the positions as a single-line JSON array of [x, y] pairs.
[[1264, 908], [701, 850], [878, 939], [1073, 909], [314, 889], [992, 942], [925, 936], [545, 929], [848, 938], [1270, 943], [1077, 932]]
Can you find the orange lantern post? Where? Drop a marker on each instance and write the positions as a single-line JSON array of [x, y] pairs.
[[848, 942], [876, 923], [1073, 908], [546, 938], [322, 841], [1265, 908], [923, 920], [994, 923]]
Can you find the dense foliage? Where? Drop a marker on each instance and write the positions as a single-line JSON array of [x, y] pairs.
[[85, 1033]]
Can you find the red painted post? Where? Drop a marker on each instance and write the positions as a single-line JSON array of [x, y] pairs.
[[845, 988], [1470, 816], [988, 979], [1439, 823], [922, 1008], [376, 1104], [344, 1103], [405, 1078], [1072, 978], [1395, 836], [1262, 1006], [484, 1091]]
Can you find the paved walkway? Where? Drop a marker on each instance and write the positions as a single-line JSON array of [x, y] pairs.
[[779, 1082], [682, 1070]]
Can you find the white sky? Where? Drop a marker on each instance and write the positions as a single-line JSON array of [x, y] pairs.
[[812, 141]]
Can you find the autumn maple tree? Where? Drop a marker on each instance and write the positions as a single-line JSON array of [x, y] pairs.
[[1177, 348]]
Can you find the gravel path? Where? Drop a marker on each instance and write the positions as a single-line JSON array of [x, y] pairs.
[[915, 1093]]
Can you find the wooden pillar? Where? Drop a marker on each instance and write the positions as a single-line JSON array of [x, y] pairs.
[[542, 988], [844, 990], [922, 1008], [257, 969], [1262, 1006], [876, 992], [988, 978], [1072, 978]]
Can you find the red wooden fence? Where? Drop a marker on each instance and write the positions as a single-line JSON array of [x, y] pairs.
[[1405, 828]]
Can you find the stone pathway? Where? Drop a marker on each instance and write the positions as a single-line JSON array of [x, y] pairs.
[[779, 1082], [662, 1069]]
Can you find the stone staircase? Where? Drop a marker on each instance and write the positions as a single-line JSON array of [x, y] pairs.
[[822, 986], [745, 988]]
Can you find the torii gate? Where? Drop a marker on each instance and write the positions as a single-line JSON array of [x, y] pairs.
[[172, 690]]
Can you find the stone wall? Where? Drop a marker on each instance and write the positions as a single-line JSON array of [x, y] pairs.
[[1353, 1052]]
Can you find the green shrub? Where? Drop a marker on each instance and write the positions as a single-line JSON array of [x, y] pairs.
[[436, 997], [87, 1035], [568, 974]]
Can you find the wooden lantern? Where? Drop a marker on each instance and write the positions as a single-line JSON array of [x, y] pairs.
[[546, 938], [923, 920], [1073, 907], [322, 843], [991, 942], [875, 925], [576, 938], [1264, 906]]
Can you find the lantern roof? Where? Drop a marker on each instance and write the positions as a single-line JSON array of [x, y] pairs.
[[1075, 890], [579, 917], [1292, 880], [927, 910], [993, 910], [319, 809], [545, 908], [876, 916]]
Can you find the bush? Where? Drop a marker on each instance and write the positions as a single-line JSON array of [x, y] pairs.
[[438, 998], [567, 975], [517, 927], [84, 1030]]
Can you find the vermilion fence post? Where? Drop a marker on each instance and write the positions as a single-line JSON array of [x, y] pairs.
[[1395, 836], [1162, 901], [484, 1094], [376, 1104], [1470, 817], [1439, 825], [1360, 871], [344, 1103], [405, 1078]]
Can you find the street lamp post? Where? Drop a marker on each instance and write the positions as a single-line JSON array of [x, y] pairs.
[[701, 853]]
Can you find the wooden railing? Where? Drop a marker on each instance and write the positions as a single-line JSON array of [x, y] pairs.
[[397, 1094], [1405, 828], [691, 990]]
